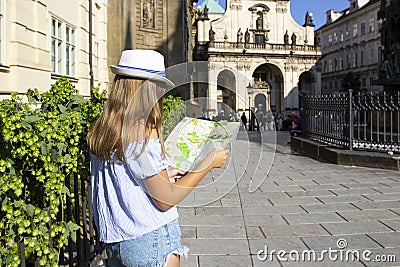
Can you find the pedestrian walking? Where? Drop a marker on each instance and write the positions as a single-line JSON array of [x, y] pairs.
[[134, 192], [244, 120]]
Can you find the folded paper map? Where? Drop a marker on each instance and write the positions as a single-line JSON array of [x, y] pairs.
[[192, 139]]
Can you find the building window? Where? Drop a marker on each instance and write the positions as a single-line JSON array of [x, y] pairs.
[[335, 38], [62, 48], [364, 82], [341, 37], [348, 61], [259, 38], [355, 60], [362, 58], [355, 30], [347, 32], [371, 56], [1, 31], [380, 55], [260, 21], [330, 38], [362, 28], [371, 80], [69, 51], [340, 63], [371, 24]]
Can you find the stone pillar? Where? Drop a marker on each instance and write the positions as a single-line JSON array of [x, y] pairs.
[[200, 31]]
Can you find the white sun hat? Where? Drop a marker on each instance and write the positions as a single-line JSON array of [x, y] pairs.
[[143, 64]]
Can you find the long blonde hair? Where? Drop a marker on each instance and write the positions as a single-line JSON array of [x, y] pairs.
[[132, 111]]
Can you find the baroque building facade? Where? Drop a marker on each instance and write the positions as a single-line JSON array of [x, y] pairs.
[[41, 41], [351, 48], [256, 45]]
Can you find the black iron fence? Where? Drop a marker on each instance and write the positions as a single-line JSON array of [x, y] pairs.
[[86, 249], [368, 122]]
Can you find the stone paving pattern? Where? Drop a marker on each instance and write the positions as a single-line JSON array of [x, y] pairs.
[[303, 204]]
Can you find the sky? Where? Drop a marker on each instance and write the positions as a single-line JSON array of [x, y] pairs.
[[299, 8]]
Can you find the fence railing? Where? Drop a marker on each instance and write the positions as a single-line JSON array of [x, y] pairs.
[[368, 122], [82, 251]]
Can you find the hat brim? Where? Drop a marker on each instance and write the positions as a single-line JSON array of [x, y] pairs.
[[141, 74]]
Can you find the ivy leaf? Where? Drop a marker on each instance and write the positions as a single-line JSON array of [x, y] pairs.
[[73, 236], [17, 204], [61, 147], [32, 118], [73, 226], [9, 259], [65, 190], [26, 125], [44, 133], [64, 116], [62, 108], [31, 99], [44, 148], [67, 158], [54, 155], [43, 229], [78, 99], [30, 209]]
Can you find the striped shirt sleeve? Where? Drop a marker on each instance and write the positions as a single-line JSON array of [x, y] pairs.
[[149, 163]]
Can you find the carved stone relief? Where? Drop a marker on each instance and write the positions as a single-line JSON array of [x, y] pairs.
[[280, 9], [236, 7], [148, 14]]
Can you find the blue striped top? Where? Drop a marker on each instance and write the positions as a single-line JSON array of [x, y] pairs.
[[122, 210]]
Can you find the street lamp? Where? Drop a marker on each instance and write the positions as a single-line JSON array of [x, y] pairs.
[[249, 92]]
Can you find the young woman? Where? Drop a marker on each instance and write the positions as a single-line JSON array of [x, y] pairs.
[[133, 199]]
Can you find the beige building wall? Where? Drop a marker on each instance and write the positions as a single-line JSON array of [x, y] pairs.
[[26, 44]]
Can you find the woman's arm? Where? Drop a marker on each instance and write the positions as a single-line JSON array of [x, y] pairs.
[[167, 195]]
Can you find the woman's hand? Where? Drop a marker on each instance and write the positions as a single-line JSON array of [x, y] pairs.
[[174, 174], [217, 158]]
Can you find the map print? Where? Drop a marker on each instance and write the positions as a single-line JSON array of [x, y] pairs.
[[194, 138]]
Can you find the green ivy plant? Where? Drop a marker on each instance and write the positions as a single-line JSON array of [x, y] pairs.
[[42, 141], [174, 110]]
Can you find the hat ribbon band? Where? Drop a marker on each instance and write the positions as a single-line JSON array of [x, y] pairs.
[[160, 73]]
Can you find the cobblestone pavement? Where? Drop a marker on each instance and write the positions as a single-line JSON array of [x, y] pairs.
[[320, 214]]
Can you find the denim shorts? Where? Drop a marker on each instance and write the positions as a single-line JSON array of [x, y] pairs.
[[149, 250]]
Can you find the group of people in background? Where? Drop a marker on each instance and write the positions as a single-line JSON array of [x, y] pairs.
[[263, 121]]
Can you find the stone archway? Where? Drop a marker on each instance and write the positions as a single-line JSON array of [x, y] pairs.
[[226, 91], [307, 83], [306, 86], [268, 80], [260, 102]]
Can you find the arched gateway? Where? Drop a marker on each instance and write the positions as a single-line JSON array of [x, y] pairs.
[[265, 61]]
